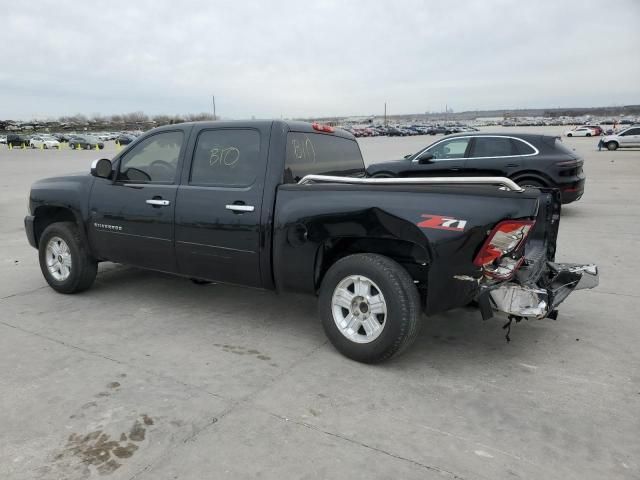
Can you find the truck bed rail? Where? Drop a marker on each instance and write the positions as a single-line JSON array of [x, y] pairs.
[[501, 181]]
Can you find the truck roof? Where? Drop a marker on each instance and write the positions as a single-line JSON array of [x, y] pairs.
[[290, 125]]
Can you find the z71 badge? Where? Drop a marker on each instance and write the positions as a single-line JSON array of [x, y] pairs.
[[440, 222]]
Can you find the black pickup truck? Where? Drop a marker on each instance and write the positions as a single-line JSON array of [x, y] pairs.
[[287, 206]]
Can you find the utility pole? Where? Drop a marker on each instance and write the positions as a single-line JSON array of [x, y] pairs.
[[213, 97], [385, 114]]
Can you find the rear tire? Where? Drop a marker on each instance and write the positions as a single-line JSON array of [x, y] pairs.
[[569, 135], [65, 261], [369, 307], [612, 146], [588, 135], [529, 182]]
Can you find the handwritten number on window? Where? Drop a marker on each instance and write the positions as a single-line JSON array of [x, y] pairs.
[[303, 150], [224, 156]]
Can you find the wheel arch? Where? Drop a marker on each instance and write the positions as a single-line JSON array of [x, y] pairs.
[[414, 258], [46, 215], [532, 175]]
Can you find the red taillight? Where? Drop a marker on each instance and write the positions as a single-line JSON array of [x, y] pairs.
[[569, 163], [322, 128], [487, 255], [506, 237]]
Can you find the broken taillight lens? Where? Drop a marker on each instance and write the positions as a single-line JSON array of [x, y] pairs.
[[507, 237]]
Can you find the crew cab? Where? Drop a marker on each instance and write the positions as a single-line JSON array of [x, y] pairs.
[[287, 206]]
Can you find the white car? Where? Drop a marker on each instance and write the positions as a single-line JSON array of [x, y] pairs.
[[581, 132], [43, 142], [627, 138]]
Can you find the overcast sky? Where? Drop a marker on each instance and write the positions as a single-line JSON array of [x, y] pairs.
[[315, 58]]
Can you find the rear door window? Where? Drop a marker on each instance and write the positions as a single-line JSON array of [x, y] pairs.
[[321, 154], [226, 157]]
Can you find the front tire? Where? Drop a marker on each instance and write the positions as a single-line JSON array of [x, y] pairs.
[[65, 261], [369, 307], [569, 135], [612, 146]]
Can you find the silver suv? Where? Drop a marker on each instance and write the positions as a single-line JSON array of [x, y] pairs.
[[630, 137]]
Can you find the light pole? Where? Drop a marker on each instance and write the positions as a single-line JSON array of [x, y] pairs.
[[213, 98]]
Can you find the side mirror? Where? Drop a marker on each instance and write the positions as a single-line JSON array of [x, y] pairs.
[[425, 158], [101, 168]]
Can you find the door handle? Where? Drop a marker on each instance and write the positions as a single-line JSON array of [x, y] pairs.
[[158, 203], [240, 208], [455, 169]]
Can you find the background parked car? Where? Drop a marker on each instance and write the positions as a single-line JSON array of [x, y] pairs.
[[396, 132], [125, 139], [580, 132], [627, 138], [16, 140], [596, 128], [437, 129], [528, 159], [62, 137], [42, 141], [84, 142]]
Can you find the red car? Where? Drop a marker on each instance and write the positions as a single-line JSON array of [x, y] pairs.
[[596, 128]]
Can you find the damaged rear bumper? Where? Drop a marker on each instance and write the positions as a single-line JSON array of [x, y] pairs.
[[537, 299]]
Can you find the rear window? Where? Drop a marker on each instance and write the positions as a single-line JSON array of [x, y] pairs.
[[321, 154]]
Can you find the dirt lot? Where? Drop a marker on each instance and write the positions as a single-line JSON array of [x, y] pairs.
[[148, 376]]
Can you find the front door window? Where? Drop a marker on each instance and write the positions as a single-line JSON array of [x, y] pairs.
[[449, 149], [154, 160]]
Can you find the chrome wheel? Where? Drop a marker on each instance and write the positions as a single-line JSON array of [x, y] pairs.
[[58, 259], [359, 309]]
